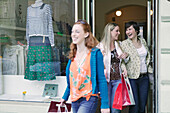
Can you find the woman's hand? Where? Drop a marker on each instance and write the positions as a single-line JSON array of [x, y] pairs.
[[62, 102], [123, 55], [125, 72], [105, 110]]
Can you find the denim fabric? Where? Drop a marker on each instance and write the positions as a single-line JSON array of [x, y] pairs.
[[84, 106], [39, 22], [140, 92], [112, 86], [38, 41]]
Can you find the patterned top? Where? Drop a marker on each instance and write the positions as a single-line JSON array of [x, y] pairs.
[[99, 83], [80, 79], [133, 65], [114, 68], [107, 58]]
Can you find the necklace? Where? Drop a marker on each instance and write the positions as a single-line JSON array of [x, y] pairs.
[[80, 57]]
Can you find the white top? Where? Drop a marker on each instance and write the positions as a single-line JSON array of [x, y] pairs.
[[142, 54]]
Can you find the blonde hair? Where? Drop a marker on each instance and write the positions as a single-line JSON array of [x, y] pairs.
[[107, 35]]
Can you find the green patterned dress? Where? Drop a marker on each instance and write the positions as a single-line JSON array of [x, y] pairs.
[[39, 64]]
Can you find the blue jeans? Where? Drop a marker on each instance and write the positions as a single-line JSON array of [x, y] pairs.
[[140, 92], [112, 86], [84, 106]]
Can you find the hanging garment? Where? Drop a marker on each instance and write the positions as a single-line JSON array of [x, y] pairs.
[[13, 60], [40, 65]]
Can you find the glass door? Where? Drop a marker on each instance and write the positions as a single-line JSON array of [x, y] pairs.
[[85, 10]]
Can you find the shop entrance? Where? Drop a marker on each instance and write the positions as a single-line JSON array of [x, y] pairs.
[[98, 13]]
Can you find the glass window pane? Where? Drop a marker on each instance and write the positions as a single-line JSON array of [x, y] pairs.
[[13, 39]]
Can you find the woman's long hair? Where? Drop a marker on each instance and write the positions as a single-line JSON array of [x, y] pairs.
[[90, 40], [106, 37]]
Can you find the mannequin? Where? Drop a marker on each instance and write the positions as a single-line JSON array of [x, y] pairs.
[[37, 3], [40, 39]]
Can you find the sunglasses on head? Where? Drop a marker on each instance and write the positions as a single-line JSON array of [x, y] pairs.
[[82, 21]]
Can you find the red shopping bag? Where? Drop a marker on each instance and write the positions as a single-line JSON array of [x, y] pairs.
[[54, 107], [121, 98]]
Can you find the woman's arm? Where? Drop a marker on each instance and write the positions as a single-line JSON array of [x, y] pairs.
[[125, 56], [101, 81], [67, 91]]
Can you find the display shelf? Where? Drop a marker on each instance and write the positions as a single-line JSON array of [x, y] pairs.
[[28, 98]]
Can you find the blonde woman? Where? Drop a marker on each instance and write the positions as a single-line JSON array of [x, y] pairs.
[[113, 60]]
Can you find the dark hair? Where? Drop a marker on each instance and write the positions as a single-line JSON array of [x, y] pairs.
[[90, 40], [134, 24]]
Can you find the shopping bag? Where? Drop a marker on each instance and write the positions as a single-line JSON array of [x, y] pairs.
[[121, 98], [132, 101], [125, 93], [117, 103], [56, 108]]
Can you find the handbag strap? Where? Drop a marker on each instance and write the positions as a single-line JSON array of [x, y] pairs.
[[59, 108]]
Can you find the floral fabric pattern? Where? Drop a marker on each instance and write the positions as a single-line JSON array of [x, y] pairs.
[[115, 64], [133, 65], [80, 79], [39, 64]]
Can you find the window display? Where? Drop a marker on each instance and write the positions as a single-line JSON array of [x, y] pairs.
[[53, 31], [40, 38], [34, 45]]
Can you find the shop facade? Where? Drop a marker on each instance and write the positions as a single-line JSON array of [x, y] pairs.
[[15, 90], [13, 48]]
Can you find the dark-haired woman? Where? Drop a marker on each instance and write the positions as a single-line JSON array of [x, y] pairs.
[[137, 66]]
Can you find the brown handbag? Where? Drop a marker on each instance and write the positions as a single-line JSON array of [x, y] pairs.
[[54, 107]]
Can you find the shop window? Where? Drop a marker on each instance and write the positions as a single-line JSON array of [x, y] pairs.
[[13, 42]]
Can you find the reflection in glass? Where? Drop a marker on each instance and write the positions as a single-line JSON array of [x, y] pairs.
[[13, 43]]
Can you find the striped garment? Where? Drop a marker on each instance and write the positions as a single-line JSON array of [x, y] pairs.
[[39, 22]]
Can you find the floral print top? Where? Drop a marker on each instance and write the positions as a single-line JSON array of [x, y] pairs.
[[80, 79]]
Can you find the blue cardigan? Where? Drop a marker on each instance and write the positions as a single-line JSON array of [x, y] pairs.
[[99, 83]]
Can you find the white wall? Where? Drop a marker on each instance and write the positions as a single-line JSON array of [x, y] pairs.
[[23, 107], [16, 84], [163, 66]]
